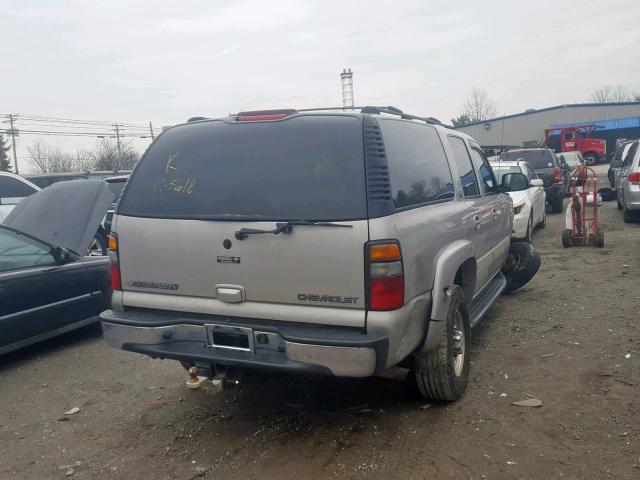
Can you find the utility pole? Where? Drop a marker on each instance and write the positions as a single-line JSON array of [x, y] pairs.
[[347, 88], [151, 130], [118, 141], [13, 144]]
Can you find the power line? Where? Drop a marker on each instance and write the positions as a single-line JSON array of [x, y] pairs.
[[73, 134], [28, 116]]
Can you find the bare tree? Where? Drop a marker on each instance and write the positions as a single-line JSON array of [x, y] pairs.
[[85, 161], [111, 156], [478, 106], [613, 94], [47, 159], [38, 155]]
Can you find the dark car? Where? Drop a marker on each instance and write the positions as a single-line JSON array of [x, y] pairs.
[[554, 174], [116, 185], [48, 285]]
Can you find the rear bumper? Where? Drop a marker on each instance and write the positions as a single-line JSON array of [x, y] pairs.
[[632, 197], [344, 352]]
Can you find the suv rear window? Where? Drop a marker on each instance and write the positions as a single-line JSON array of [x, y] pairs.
[[536, 158], [306, 167]]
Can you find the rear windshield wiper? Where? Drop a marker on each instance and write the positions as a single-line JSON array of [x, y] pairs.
[[285, 227]]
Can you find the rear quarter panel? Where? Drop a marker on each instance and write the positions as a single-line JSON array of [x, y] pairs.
[[423, 233]]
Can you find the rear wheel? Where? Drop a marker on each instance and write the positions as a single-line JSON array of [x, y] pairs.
[[442, 374], [590, 159], [567, 238]]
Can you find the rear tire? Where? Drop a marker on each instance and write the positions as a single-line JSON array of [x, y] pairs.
[[442, 374], [527, 263], [556, 205], [567, 238]]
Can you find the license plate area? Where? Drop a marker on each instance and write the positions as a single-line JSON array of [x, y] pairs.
[[227, 337]]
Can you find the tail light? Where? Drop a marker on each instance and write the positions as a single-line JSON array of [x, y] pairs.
[[262, 115], [116, 284], [557, 175], [385, 282], [634, 178]]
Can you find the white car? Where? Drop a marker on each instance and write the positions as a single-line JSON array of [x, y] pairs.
[[529, 210], [13, 189]]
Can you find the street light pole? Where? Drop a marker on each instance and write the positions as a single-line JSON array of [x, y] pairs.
[[13, 144], [118, 141]]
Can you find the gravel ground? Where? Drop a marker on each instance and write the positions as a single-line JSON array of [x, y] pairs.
[[570, 338]]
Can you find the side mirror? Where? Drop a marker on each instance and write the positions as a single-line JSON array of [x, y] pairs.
[[514, 182], [536, 182], [63, 255]]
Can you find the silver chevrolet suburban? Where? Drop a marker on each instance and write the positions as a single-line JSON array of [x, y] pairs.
[[320, 241]]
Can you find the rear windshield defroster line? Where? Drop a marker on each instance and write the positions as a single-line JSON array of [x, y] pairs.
[[306, 167]]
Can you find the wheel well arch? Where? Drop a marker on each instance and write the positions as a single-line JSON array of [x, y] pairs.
[[466, 277], [456, 261]]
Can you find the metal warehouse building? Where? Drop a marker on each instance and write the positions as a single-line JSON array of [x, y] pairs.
[[619, 120]]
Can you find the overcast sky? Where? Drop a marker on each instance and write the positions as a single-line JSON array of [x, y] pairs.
[[135, 61]]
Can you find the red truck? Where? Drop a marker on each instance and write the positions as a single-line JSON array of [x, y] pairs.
[[578, 137]]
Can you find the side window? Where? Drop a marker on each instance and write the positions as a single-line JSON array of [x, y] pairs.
[[465, 169], [18, 251], [418, 167], [483, 168], [628, 159], [13, 190]]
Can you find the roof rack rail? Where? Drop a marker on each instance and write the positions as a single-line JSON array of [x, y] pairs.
[[196, 119], [390, 110]]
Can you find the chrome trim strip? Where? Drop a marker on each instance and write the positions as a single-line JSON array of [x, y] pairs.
[[51, 305], [42, 268], [342, 361], [47, 335]]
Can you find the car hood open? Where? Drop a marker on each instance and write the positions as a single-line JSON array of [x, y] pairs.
[[66, 214]]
